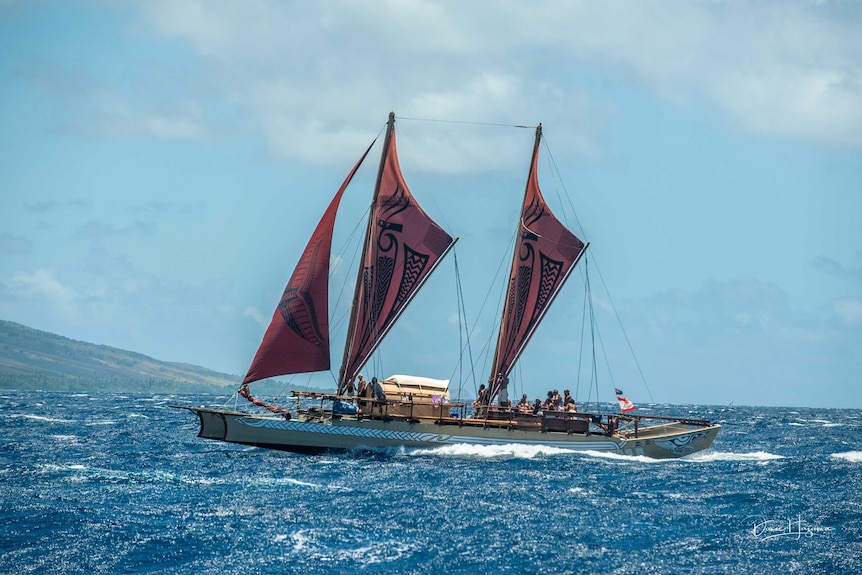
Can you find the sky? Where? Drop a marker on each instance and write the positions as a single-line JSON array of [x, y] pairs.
[[162, 164]]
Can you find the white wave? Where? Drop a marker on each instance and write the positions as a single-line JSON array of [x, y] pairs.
[[624, 458], [104, 422], [60, 437], [286, 481], [708, 456], [834, 424], [40, 418], [75, 469], [489, 451], [851, 456]]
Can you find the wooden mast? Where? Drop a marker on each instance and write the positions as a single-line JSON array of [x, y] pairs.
[[504, 372], [493, 376], [368, 232]]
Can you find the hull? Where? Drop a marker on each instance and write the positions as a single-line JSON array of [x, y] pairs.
[[313, 435]]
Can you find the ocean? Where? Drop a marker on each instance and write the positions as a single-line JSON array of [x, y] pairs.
[[119, 483]]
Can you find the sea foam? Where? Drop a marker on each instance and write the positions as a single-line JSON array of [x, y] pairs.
[[851, 456]]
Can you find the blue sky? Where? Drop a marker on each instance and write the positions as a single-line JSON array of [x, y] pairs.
[[162, 164]]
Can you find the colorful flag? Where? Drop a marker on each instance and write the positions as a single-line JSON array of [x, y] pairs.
[[625, 404]]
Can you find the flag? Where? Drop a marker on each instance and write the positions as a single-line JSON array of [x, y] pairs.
[[625, 404]]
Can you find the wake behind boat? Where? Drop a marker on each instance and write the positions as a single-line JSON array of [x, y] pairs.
[[402, 248]]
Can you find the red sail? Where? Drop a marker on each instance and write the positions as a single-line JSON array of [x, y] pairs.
[[404, 244], [545, 253], [297, 339]]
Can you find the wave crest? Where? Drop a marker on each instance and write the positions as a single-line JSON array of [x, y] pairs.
[[851, 456]]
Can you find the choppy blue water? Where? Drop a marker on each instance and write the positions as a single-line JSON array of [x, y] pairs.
[[121, 484]]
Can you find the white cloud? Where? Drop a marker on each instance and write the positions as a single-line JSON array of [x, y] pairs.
[[255, 315], [310, 75], [44, 286], [848, 310]]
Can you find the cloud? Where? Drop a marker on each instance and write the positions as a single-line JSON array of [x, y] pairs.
[[162, 208], [848, 310], [255, 315], [793, 69], [107, 114], [46, 206], [716, 308], [311, 76], [128, 108], [746, 338], [836, 269], [15, 245], [94, 230], [42, 285]]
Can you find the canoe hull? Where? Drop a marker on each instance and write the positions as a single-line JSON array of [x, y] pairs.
[[350, 433]]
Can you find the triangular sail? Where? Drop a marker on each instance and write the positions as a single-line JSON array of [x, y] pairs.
[[545, 253], [297, 339], [403, 245]]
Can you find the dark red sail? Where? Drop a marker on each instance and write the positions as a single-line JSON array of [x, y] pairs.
[[545, 253], [403, 246], [297, 339]]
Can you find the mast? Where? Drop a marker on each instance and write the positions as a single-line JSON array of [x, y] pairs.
[[402, 247], [501, 333], [368, 231], [545, 254]]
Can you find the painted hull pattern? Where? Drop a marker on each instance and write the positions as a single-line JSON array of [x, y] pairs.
[[665, 441]]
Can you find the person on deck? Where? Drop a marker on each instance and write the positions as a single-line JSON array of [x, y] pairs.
[[378, 393], [568, 401], [481, 401], [524, 405], [537, 406], [557, 400]]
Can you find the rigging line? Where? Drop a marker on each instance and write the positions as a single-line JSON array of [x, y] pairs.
[[520, 378], [435, 120], [559, 179], [581, 347], [503, 260], [462, 305], [594, 375], [420, 177], [605, 355], [625, 334], [460, 325], [341, 253]]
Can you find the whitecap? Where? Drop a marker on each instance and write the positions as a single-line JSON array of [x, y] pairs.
[[851, 456], [624, 458], [60, 437], [488, 451], [757, 456], [285, 481], [40, 418]]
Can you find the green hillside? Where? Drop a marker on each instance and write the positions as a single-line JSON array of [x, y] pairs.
[[33, 359]]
